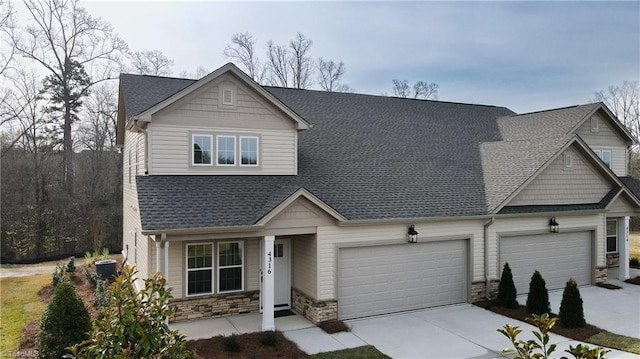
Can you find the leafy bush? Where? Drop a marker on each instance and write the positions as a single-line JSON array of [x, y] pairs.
[[231, 344], [582, 351], [71, 266], [58, 276], [269, 339], [133, 324], [64, 323], [634, 262], [538, 298], [571, 311], [89, 259], [91, 276], [507, 289], [101, 294]]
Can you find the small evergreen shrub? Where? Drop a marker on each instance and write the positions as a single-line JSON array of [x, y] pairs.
[[91, 276], [538, 298], [571, 311], [231, 344], [58, 276], [65, 322], [101, 294], [71, 266], [269, 339], [634, 262], [507, 289]]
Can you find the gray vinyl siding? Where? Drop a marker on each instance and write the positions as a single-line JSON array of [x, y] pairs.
[[606, 138], [621, 207], [200, 112], [300, 213], [304, 264], [558, 185]]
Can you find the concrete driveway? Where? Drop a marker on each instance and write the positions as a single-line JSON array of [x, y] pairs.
[[461, 331]]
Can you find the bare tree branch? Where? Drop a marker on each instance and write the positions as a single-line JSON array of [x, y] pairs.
[[330, 74], [242, 51], [278, 58], [420, 90], [300, 61], [152, 62]]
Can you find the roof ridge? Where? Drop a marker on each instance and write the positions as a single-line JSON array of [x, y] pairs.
[[159, 77], [553, 109]]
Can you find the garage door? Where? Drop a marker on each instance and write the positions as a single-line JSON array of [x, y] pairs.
[[557, 256], [386, 279]]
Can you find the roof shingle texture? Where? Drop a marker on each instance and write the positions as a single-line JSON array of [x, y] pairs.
[[368, 157]]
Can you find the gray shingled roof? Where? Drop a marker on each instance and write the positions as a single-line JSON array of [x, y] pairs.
[[562, 207], [632, 184], [368, 157]]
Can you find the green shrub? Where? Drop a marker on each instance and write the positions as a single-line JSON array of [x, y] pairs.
[[269, 339], [58, 276], [538, 298], [64, 323], [89, 259], [571, 311], [71, 266], [507, 289], [91, 276], [101, 294], [231, 344], [634, 262], [133, 324]]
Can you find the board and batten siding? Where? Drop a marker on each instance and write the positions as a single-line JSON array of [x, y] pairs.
[[606, 138], [133, 164], [201, 112], [331, 238], [559, 185], [504, 227], [170, 147], [304, 263]]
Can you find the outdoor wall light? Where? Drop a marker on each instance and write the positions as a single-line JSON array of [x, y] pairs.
[[412, 234], [553, 225]]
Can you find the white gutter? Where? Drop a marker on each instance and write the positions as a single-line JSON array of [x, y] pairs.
[[487, 284], [146, 144]]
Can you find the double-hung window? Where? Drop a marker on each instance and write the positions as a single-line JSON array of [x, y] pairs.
[[605, 156], [202, 150], [248, 151], [199, 268], [612, 236], [230, 266], [226, 150]]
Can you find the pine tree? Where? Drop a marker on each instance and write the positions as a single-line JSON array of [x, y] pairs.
[[507, 289], [538, 298], [65, 322], [571, 311]]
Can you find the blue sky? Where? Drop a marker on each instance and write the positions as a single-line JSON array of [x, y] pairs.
[[527, 56]]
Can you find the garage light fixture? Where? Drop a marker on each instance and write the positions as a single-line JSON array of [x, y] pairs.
[[413, 235], [553, 225]]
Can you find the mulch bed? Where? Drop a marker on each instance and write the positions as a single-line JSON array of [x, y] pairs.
[[520, 313], [250, 347], [334, 326], [635, 280], [608, 286]]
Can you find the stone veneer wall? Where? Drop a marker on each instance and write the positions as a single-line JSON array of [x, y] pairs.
[[613, 260], [215, 305], [601, 274], [315, 311], [478, 290]]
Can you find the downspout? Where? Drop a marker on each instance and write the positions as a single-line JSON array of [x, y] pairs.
[[487, 284], [146, 145]]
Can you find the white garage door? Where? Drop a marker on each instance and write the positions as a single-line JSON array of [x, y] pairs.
[[557, 256], [386, 279]]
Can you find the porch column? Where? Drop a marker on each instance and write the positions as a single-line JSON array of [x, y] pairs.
[[268, 290], [623, 249], [166, 260], [158, 255]]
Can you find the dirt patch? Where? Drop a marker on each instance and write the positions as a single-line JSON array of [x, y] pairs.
[[334, 326], [608, 286], [520, 313], [250, 347], [635, 280]]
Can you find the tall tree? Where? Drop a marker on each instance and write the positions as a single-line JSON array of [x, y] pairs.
[[199, 73], [242, 51], [624, 101], [151, 62], [330, 74], [278, 64], [7, 27], [420, 90], [68, 43], [300, 61]]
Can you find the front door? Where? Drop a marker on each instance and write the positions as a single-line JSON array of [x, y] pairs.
[[282, 273]]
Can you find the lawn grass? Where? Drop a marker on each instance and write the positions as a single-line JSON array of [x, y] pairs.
[[615, 341], [365, 352], [634, 245], [19, 305]]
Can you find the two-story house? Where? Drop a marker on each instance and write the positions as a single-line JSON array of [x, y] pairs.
[[338, 205]]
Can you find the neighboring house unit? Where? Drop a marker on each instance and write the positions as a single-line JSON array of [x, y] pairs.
[[251, 198]]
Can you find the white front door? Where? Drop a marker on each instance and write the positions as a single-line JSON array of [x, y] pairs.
[[282, 271]]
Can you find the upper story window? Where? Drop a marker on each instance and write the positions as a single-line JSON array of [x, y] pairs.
[[226, 150], [248, 151], [202, 150], [605, 156]]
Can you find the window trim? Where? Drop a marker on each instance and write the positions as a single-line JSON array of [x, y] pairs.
[[599, 151], [227, 105], [193, 155], [187, 269], [241, 266], [235, 150], [607, 236], [595, 124], [257, 138], [568, 160]]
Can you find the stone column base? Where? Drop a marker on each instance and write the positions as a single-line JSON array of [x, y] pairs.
[[315, 311], [478, 290], [601, 274], [215, 305]]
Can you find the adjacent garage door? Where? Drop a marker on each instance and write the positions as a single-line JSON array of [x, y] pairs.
[[392, 278], [557, 256]]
